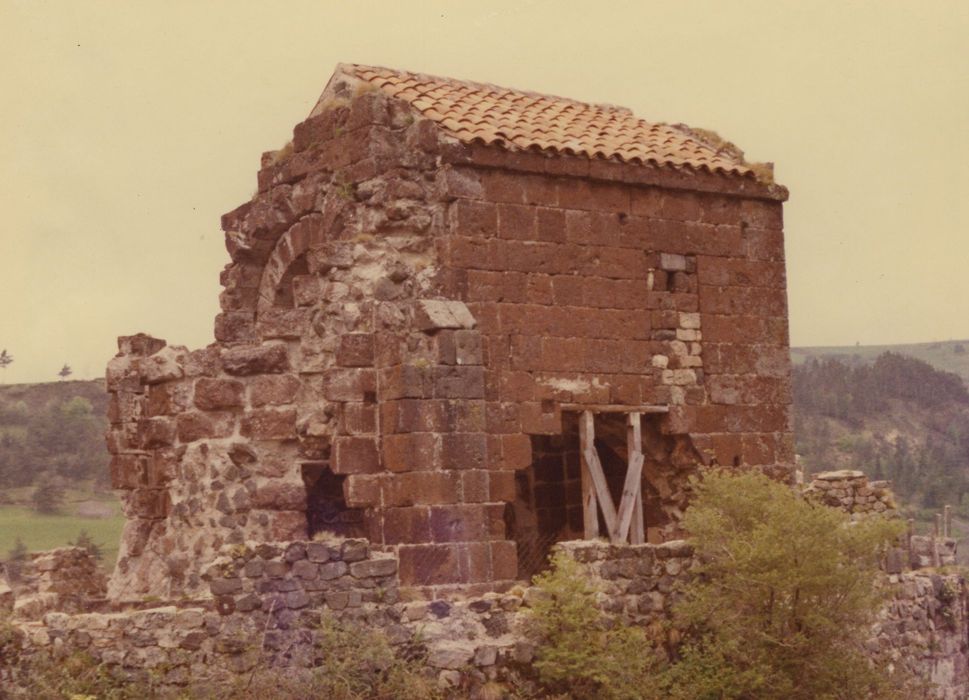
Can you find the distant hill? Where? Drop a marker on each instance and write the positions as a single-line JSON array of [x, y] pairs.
[[947, 355], [895, 418], [36, 396], [53, 428]]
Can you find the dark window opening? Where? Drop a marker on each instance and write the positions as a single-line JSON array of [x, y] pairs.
[[548, 504], [326, 506]]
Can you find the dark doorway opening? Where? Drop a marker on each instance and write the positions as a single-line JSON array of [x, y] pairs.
[[326, 506], [548, 504]]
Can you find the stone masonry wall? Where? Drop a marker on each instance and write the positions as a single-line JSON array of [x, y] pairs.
[[403, 314], [268, 598]]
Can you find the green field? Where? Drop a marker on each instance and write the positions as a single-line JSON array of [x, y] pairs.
[[39, 532]]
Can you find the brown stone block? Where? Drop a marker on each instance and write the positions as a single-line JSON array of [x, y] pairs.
[[681, 205], [139, 345], [458, 382], [408, 525], [560, 355], [151, 504], [168, 398], [128, 470], [405, 382], [727, 449], [474, 486], [474, 219], [356, 384], [460, 523], [155, 432], [502, 186], [487, 285], [432, 564], [474, 253], [538, 289], [355, 455], [205, 362], [550, 225], [516, 450], [362, 490], [235, 327], [501, 487], [287, 525], [356, 350], [279, 495], [539, 189], [273, 389], [358, 419], [504, 560], [758, 213], [517, 222], [759, 448], [502, 417], [720, 210], [539, 420], [422, 488], [195, 425], [270, 424], [595, 196], [547, 258], [464, 451], [517, 386], [764, 244], [412, 416], [270, 358], [412, 452], [478, 556], [568, 290], [215, 394]]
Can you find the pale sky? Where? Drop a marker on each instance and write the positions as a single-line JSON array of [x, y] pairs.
[[129, 127]]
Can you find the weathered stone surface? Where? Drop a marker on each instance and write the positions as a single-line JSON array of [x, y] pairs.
[[263, 359], [435, 314]]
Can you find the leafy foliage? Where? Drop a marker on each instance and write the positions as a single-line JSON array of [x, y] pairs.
[[87, 542], [785, 595], [62, 436], [925, 459], [48, 496], [581, 651]]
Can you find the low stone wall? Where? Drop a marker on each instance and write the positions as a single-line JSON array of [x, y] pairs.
[[638, 581], [67, 579], [268, 601], [850, 491], [924, 629]]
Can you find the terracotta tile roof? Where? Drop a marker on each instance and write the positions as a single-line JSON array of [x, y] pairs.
[[491, 115]]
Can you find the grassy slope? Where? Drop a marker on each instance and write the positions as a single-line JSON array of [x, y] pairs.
[[942, 355], [40, 532]]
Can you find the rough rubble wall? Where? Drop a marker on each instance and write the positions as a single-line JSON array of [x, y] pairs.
[[401, 318], [268, 598]]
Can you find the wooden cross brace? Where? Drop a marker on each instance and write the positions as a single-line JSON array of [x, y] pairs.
[[626, 524]]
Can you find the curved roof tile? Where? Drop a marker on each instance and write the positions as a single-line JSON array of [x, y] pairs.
[[473, 112]]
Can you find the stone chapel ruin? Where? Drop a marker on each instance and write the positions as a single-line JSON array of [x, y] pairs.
[[463, 322]]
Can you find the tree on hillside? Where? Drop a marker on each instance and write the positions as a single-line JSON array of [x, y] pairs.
[[48, 495], [65, 372], [15, 560], [87, 542], [784, 600], [5, 359]]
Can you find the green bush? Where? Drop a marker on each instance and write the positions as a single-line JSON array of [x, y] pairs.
[[784, 599], [582, 652]]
